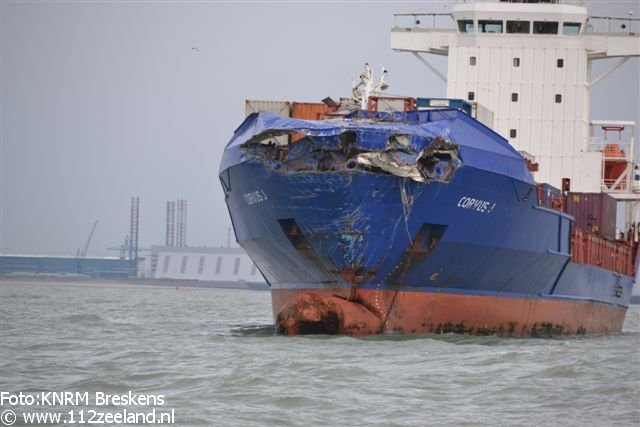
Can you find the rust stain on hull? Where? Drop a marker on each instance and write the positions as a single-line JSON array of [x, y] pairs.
[[329, 312]]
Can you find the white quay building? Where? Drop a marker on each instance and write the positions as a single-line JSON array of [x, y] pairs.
[[218, 266]]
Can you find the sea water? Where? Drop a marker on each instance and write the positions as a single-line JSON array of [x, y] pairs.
[[213, 357]]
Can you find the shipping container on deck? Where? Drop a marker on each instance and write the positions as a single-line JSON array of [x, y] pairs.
[[594, 213], [588, 248], [281, 108], [390, 104], [436, 103], [309, 111]]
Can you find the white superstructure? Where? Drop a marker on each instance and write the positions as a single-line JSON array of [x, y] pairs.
[[530, 65]]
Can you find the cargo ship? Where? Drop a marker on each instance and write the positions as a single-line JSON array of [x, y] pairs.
[[499, 210]]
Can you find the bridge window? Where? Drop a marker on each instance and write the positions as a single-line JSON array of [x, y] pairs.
[[165, 266], [201, 264], [236, 266], [472, 60], [466, 26], [560, 63], [571, 28], [558, 98], [183, 267], [471, 96], [518, 27], [544, 27], [513, 133], [516, 62], [488, 26], [514, 97]]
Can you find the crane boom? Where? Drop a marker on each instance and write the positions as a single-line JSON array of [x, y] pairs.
[[85, 248]]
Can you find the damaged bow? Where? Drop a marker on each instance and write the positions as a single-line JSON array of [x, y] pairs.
[[402, 156]]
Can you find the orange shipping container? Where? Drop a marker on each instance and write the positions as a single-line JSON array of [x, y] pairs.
[[309, 111], [587, 248]]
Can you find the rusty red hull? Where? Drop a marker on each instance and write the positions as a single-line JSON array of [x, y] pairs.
[[334, 311]]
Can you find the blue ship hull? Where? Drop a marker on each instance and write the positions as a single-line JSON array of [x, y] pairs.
[[366, 236]]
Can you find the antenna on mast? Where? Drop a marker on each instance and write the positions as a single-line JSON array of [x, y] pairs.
[[367, 86]]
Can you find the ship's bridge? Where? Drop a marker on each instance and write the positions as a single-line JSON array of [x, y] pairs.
[[518, 18], [527, 67]]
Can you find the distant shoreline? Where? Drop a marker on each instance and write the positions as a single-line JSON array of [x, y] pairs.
[[79, 280]]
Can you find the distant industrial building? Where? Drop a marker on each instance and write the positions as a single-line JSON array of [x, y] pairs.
[[174, 262], [216, 266], [68, 266], [228, 265]]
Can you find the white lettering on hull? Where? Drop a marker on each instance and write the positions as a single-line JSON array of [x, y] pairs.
[[477, 205], [254, 197]]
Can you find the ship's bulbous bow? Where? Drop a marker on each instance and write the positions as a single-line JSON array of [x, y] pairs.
[[310, 313]]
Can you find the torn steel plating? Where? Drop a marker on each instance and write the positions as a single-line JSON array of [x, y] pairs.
[[437, 162], [422, 159]]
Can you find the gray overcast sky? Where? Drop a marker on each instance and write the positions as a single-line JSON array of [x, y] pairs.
[[101, 101]]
